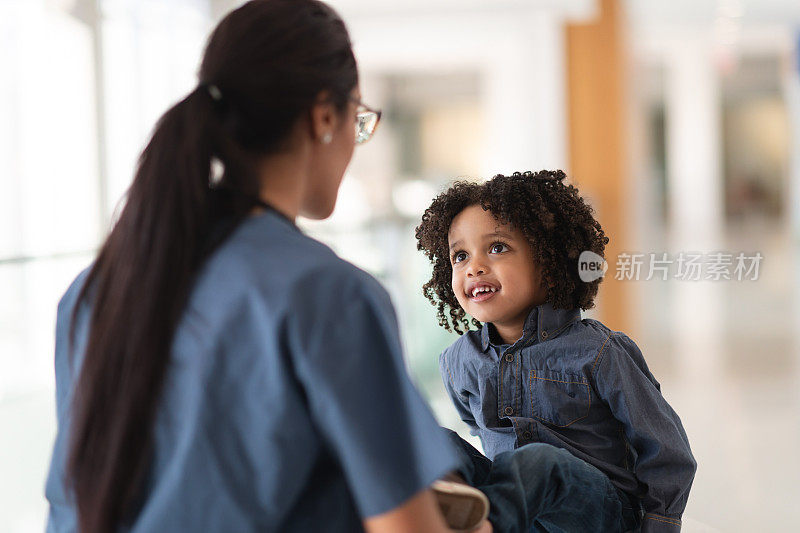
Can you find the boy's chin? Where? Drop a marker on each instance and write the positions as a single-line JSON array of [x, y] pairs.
[[481, 317]]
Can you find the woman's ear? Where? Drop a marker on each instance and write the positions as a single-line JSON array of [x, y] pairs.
[[324, 118]]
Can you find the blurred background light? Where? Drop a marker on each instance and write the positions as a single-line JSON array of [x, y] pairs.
[[411, 198]]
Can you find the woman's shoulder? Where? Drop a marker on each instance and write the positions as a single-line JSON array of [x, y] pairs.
[[270, 241], [269, 257], [68, 299]]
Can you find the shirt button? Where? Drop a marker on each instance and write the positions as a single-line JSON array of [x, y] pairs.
[[509, 411], [544, 334], [510, 357], [527, 435]]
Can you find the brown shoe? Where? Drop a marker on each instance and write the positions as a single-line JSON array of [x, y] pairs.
[[464, 507]]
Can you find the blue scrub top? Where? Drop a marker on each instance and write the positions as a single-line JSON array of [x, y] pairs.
[[287, 406]]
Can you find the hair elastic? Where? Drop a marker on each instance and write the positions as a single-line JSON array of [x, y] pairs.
[[216, 172], [214, 92]]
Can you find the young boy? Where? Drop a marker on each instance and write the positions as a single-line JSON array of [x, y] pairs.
[[578, 434]]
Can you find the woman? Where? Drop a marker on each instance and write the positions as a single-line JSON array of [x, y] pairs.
[[216, 369]]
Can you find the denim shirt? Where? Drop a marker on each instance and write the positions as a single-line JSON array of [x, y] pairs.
[[577, 385]]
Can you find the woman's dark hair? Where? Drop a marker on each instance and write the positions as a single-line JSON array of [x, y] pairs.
[[552, 215], [264, 66]]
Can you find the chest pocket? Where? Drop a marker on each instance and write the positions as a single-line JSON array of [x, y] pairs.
[[558, 399]]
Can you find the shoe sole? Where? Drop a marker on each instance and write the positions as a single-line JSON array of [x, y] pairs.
[[464, 507]]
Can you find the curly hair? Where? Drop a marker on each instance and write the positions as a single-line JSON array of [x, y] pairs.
[[552, 215]]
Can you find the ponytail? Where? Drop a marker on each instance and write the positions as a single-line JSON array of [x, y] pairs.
[[138, 288]]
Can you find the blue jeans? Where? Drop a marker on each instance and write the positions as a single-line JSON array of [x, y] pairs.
[[539, 487]]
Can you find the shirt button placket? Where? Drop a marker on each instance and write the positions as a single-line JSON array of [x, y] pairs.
[[509, 385]]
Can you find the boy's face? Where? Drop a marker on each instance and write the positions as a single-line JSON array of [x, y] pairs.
[[494, 276]]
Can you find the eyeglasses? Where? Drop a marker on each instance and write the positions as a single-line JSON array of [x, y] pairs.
[[366, 121]]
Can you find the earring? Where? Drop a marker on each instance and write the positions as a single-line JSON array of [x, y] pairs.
[[327, 138]]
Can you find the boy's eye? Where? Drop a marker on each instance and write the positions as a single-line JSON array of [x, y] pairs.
[[460, 256], [498, 247]]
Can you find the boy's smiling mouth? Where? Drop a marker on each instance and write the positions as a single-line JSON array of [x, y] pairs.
[[481, 291]]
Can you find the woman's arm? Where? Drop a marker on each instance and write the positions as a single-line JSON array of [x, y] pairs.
[[344, 344], [417, 514]]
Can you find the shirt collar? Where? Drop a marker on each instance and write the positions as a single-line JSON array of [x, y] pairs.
[[543, 321]]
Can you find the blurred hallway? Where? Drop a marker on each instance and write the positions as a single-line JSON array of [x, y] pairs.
[[680, 121]]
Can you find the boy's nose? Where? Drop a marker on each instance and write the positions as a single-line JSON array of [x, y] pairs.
[[476, 270]]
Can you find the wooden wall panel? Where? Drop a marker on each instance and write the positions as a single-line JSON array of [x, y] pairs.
[[597, 154]]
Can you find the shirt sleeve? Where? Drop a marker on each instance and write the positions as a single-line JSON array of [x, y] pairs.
[[460, 401], [346, 351], [61, 514], [664, 465]]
